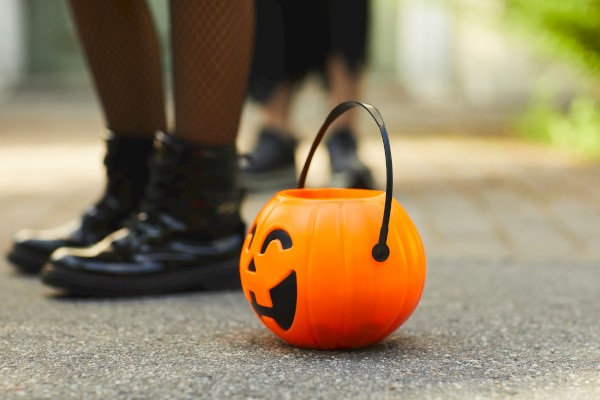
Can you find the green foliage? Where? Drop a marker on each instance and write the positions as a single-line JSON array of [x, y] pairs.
[[577, 130], [568, 28]]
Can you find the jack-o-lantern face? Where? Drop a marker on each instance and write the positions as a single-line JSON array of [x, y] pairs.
[[283, 295]]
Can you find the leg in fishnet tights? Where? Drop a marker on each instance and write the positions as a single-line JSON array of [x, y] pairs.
[[120, 43], [212, 44]]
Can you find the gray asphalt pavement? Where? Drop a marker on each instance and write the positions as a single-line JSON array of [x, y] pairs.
[[483, 330]]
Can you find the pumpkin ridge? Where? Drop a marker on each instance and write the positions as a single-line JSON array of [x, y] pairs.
[[421, 250], [341, 227], [309, 253]]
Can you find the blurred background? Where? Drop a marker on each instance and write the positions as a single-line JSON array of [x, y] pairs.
[[487, 61]]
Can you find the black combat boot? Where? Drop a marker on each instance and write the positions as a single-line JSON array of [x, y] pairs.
[[127, 172], [187, 235], [347, 169]]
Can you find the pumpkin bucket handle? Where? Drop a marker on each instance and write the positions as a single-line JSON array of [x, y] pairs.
[[380, 251]]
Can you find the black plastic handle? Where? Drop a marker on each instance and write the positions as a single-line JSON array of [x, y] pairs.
[[380, 251]]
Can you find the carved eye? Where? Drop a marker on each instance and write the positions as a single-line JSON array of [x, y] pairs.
[[278, 234]]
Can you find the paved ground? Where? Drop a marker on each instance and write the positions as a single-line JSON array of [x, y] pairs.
[[510, 309]]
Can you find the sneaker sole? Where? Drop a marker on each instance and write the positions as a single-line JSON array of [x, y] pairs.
[[224, 275]]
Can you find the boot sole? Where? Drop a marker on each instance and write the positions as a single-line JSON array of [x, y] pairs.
[[26, 261], [224, 275]]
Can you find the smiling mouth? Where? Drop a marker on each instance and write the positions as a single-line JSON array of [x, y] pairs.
[[284, 299]]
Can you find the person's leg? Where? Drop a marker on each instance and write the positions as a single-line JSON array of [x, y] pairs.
[[212, 47], [348, 23], [283, 54], [344, 66], [189, 232], [344, 85], [121, 49], [275, 110], [272, 165]]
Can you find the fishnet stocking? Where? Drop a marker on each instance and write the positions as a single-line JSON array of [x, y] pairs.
[[120, 43], [212, 44]]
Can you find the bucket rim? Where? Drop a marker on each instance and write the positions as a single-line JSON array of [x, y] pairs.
[[329, 195]]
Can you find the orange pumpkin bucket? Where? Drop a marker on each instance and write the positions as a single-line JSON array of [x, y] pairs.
[[333, 268]]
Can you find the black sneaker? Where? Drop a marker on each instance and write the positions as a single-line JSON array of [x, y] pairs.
[[271, 165], [346, 168]]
